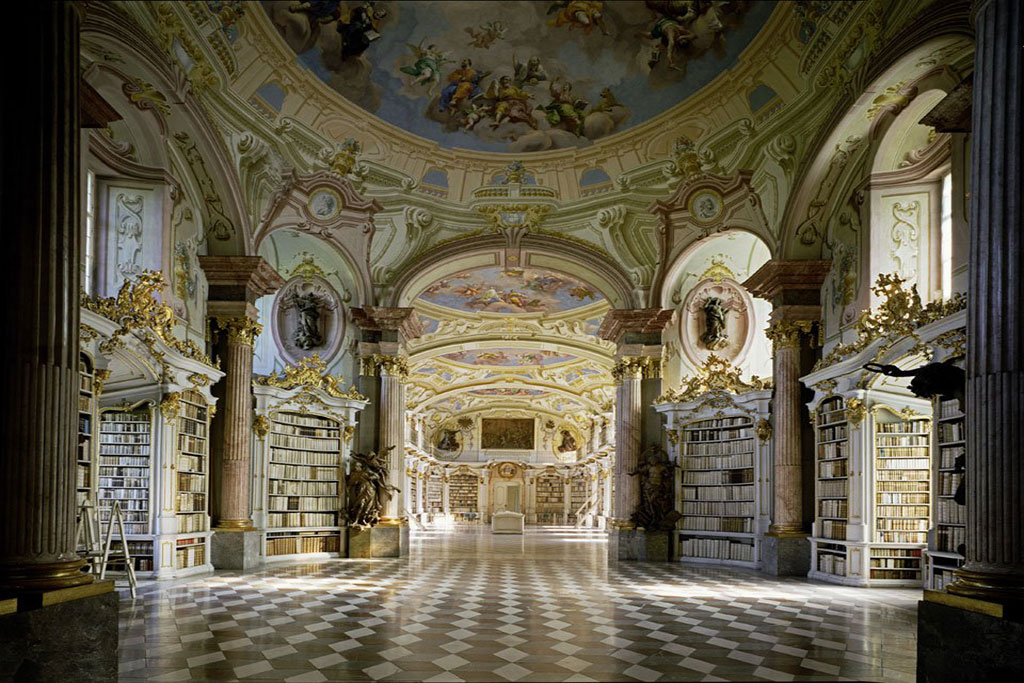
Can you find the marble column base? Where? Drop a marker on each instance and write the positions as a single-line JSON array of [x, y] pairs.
[[235, 549], [640, 545], [379, 541], [958, 644], [786, 555], [67, 641]]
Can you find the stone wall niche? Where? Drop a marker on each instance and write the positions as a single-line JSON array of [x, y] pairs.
[[736, 308], [308, 318]]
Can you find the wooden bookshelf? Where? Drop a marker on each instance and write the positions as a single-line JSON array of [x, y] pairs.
[[124, 475], [435, 493], [304, 478], [718, 489], [85, 458], [192, 479], [463, 494], [945, 552]]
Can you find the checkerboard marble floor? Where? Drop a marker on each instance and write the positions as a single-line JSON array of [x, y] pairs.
[[546, 606]]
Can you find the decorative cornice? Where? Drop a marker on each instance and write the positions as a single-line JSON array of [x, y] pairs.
[[310, 373], [252, 272], [619, 322], [777, 277], [717, 375], [405, 321]]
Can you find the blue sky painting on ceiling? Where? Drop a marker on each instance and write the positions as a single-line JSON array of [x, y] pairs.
[[508, 357], [508, 391], [517, 76], [510, 290]]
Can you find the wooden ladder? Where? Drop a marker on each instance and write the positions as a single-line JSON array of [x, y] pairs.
[[123, 556]]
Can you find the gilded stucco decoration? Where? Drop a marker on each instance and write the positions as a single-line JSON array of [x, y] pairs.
[[785, 334], [261, 427], [763, 430], [240, 330], [310, 373], [716, 375]]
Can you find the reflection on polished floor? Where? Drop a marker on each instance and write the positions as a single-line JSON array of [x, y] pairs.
[[546, 606]]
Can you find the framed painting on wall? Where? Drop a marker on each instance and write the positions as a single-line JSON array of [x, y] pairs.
[[506, 433]]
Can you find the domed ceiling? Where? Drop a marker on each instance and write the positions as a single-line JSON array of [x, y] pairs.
[[517, 76]]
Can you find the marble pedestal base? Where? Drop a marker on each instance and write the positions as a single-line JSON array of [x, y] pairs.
[[235, 549], [74, 640], [958, 644], [786, 555], [640, 545], [379, 541]]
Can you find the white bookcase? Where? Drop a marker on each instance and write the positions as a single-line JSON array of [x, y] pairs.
[[300, 464], [723, 449], [948, 536], [85, 456]]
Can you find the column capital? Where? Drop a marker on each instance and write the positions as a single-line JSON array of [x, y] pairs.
[[637, 367], [789, 282], [635, 325], [383, 364], [400, 324], [240, 329], [785, 334], [239, 278]]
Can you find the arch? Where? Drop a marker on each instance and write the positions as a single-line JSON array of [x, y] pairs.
[[532, 251]]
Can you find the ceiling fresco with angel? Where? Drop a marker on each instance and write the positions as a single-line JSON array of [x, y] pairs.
[[510, 290], [517, 76], [509, 357]]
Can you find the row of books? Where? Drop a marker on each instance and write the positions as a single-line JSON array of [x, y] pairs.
[[131, 428], [832, 564], [299, 430], [826, 417], [949, 482], [832, 508], [195, 483], [835, 433], [718, 549], [290, 457], [733, 524], [303, 544], [951, 431], [902, 510], [830, 469], [189, 557], [895, 552], [290, 519], [901, 498], [717, 434], [303, 420], [192, 444], [190, 524], [192, 411], [890, 524], [741, 476], [139, 450], [736, 492], [310, 443], [192, 428], [950, 512], [124, 482], [909, 458], [832, 529], [833, 489], [907, 475], [902, 537], [108, 471], [279, 471], [721, 508], [722, 448], [716, 462], [721, 422], [896, 574], [123, 495], [903, 427], [950, 538], [123, 461], [139, 418], [191, 502], [192, 463], [302, 488], [302, 504], [948, 456], [831, 451]]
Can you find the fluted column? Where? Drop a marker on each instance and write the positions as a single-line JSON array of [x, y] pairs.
[[235, 474], [787, 516], [393, 371], [628, 373], [994, 569], [39, 373]]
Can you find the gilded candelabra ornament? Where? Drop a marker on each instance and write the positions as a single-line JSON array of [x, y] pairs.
[[763, 430], [310, 373]]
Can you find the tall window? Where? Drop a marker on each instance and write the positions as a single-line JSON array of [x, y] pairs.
[[88, 254], [946, 232]]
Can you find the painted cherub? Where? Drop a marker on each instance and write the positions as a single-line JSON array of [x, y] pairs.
[[427, 67], [488, 34]]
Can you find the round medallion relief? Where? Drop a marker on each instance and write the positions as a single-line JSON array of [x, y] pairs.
[[706, 206], [716, 317], [324, 204], [308, 318]]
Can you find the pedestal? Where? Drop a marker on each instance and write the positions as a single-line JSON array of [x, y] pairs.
[[640, 545], [786, 555], [73, 640], [960, 639], [235, 549], [379, 541]]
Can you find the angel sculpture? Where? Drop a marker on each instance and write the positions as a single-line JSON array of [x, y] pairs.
[[715, 335], [488, 34], [367, 489], [427, 67]]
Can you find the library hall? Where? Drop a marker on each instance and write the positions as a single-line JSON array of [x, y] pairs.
[[521, 341]]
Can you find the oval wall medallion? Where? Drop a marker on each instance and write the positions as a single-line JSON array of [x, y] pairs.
[[308, 318], [716, 317]]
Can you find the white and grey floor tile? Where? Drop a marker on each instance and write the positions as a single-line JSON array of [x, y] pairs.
[[546, 606]]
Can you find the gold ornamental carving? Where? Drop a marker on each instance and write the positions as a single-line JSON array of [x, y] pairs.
[[899, 315], [381, 364], [637, 367], [199, 380], [242, 330], [347, 433], [717, 374], [310, 373], [763, 430], [261, 427], [787, 334], [856, 411], [169, 407], [99, 378]]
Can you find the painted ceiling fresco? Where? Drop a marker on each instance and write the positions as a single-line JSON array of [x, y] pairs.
[[517, 76], [508, 357], [514, 290], [508, 391]]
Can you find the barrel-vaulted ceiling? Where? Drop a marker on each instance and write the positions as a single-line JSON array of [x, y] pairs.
[[520, 76]]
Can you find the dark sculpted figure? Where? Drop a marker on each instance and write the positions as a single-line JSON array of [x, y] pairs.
[[715, 337], [656, 510], [367, 489], [307, 333]]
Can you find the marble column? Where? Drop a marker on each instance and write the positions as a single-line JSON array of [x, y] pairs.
[[56, 622], [393, 371], [794, 288], [235, 284], [995, 316], [628, 415]]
